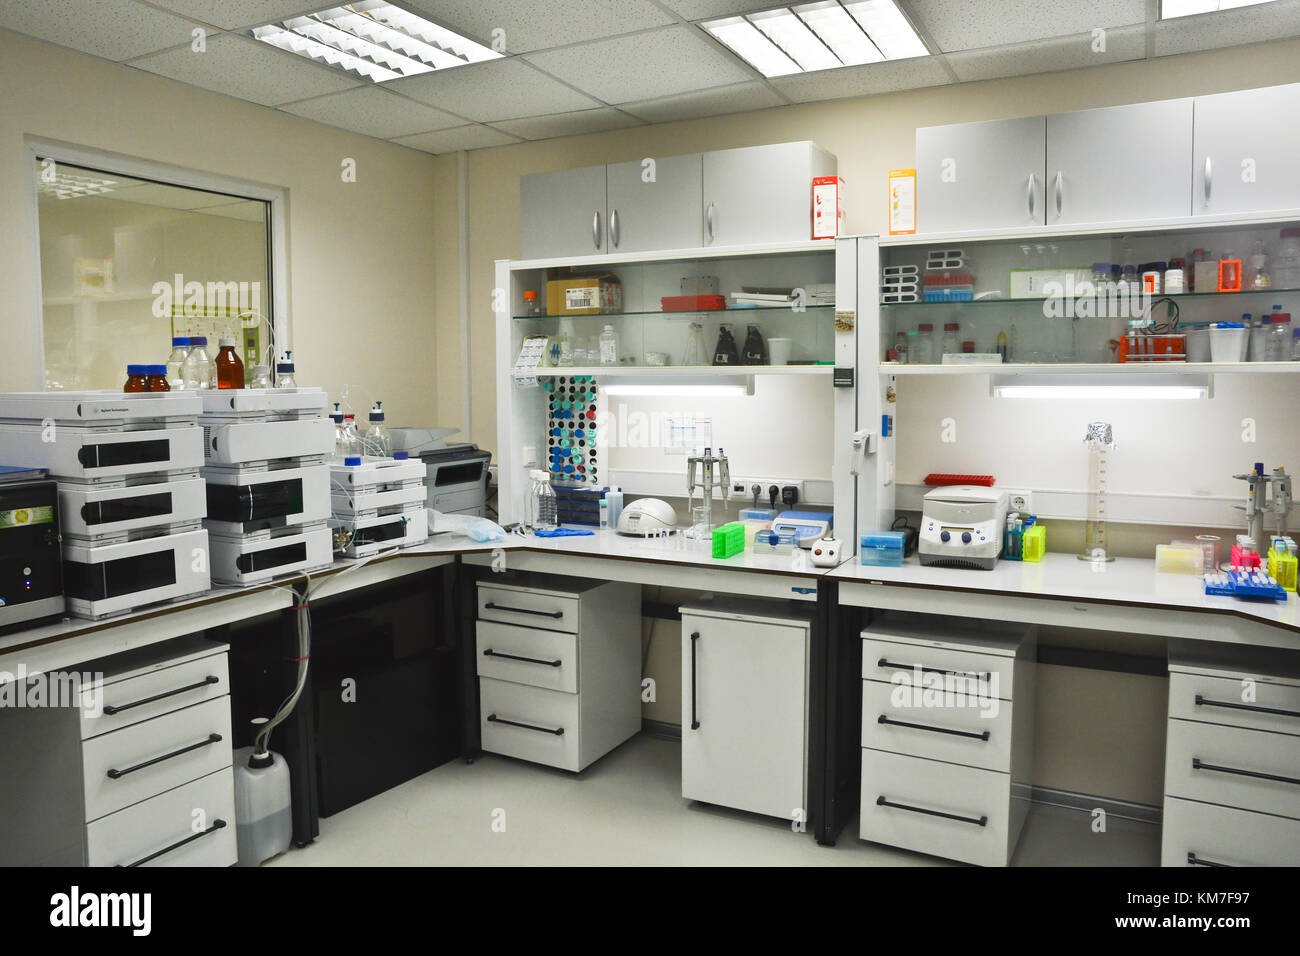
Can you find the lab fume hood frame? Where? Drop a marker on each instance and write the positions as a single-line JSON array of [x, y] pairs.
[[840, 338]]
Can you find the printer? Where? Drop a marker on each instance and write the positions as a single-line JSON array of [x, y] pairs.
[[456, 473]]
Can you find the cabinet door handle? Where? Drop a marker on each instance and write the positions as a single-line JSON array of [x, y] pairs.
[[978, 675], [211, 739], [1030, 195], [595, 229], [524, 610], [1060, 191], [527, 660], [1198, 764], [494, 719], [978, 821], [216, 825], [1209, 178], [984, 735], [613, 227], [1253, 708], [695, 720], [1194, 860], [112, 709], [708, 222]]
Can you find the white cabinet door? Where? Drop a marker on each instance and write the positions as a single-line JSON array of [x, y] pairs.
[[562, 214], [1122, 163], [655, 207], [761, 194], [1247, 151], [980, 176], [744, 705]]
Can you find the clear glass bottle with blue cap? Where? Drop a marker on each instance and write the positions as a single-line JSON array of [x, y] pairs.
[[284, 372], [176, 362], [377, 442]]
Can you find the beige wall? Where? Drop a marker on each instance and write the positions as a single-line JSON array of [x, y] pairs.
[[870, 136], [364, 258]]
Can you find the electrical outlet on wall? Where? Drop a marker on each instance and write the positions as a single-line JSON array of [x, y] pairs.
[[1022, 501]]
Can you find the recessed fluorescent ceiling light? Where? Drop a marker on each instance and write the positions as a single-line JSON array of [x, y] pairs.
[[1170, 9], [1114, 392], [819, 36], [373, 40]]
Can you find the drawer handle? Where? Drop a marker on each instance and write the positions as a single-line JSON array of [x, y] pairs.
[[1194, 860], [978, 675], [527, 660], [112, 709], [523, 610], [938, 730], [211, 739], [1254, 708], [978, 821], [1198, 765], [216, 825], [494, 719], [695, 720]]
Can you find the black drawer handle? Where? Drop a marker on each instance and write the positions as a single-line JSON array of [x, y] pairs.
[[1197, 764], [514, 657], [558, 731], [216, 825], [978, 675], [1194, 860], [1253, 708], [524, 610], [211, 739], [695, 719], [111, 709], [984, 735], [978, 821]]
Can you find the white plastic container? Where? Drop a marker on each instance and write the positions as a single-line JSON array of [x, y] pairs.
[[615, 499], [263, 814], [1198, 344], [1228, 342]]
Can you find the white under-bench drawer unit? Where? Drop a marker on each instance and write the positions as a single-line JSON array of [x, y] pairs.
[[947, 735], [1232, 757], [559, 667]]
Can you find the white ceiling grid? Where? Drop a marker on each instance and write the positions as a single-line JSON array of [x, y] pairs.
[[582, 66]]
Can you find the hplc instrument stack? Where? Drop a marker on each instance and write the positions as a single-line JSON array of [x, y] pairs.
[[378, 503], [268, 483], [131, 501]]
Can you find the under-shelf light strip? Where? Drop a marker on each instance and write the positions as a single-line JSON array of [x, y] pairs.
[[819, 36]]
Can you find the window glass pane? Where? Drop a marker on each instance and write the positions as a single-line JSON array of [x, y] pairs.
[[126, 264]]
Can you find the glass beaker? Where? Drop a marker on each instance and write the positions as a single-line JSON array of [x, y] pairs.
[[1209, 552]]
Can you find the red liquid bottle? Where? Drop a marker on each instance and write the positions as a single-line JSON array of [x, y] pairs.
[[137, 378], [230, 368]]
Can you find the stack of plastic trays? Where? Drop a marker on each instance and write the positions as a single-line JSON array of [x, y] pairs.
[[131, 500], [378, 504], [268, 482], [899, 284]]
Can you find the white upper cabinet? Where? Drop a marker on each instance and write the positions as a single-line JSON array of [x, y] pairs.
[[974, 176], [1246, 157], [1119, 164], [563, 214], [762, 194], [655, 204]]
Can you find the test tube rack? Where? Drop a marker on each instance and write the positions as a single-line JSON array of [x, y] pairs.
[[571, 440]]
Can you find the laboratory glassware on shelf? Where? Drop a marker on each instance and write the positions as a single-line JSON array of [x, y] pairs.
[[714, 472]]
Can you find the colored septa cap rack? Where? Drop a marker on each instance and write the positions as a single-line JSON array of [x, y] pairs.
[[940, 478], [1251, 586]]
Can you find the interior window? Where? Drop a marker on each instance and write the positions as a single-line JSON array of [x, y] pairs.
[[127, 264]]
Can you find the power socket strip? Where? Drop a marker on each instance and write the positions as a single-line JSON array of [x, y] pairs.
[[741, 489]]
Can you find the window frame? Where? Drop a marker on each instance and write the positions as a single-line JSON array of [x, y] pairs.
[[36, 149]]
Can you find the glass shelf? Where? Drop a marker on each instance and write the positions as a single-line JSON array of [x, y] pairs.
[[1177, 297], [731, 310]]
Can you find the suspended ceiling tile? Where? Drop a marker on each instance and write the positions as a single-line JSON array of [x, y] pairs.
[[708, 9], [887, 77], [1048, 56], [492, 90], [461, 137], [569, 124], [963, 25], [234, 14], [644, 66], [373, 111], [111, 29], [539, 24], [248, 70], [740, 98], [173, 197], [1268, 21]]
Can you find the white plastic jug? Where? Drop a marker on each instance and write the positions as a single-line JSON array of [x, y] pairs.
[[263, 818]]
